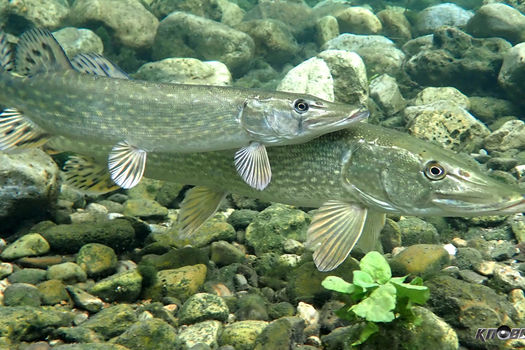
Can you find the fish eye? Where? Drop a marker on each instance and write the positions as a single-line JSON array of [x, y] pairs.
[[434, 171], [301, 106]]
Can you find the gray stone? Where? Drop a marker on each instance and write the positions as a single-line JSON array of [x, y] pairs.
[[385, 91], [203, 306], [447, 124], [67, 272], [117, 234], [512, 70], [27, 245], [214, 229], [53, 292], [506, 279], [49, 14], [97, 259], [84, 300], [273, 40], [499, 20], [91, 345], [27, 323], [466, 258], [326, 29], [310, 77], [395, 24], [151, 334], [184, 71], [439, 15], [282, 334], [414, 230], [112, 321], [78, 40], [224, 253], [130, 22], [272, 226], [430, 95], [489, 109], [510, 135], [25, 190], [21, 294], [281, 309], [251, 307], [472, 277], [202, 8], [124, 287], [145, 209], [80, 335], [186, 35], [358, 20], [378, 52], [349, 75], [242, 335], [206, 332], [241, 218], [29, 275]]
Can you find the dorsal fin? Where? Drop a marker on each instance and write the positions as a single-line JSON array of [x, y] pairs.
[[38, 51], [93, 63], [6, 54]]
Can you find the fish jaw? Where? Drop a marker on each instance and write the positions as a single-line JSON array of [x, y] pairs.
[[497, 206], [332, 122]]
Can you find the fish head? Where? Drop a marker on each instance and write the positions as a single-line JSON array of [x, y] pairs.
[[413, 177], [293, 118]]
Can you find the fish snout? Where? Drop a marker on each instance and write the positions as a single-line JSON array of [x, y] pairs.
[[335, 120]]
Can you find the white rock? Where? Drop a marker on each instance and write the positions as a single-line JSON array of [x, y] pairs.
[[48, 14], [446, 14], [509, 135], [450, 248], [358, 20], [78, 40], [310, 77], [385, 92], [433, 94], [512, 70], [308, 313]]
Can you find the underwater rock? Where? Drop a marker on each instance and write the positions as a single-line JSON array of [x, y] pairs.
[[490, 109], [310, 77], [326, 29], [178, 283], [433, 94], [385, 91], [206, 332], [203, 306], [506, 279], [511, 73], [67, 272], [78, 40], [282, 309], [26, 323], [415, 230], [83, 335], [112, 321], [459, 60], [28, 184], [124, 287], [215, 229], [251, 307], [28, 245], [498, 20], [420, 259], [97, 259], [378, 52], [242, 335], [462, 305], [176, 258], [466, 258], [396, 26], [349, 75], [21, 294], [131, 23], [144, 209], [272, 226], [273, 40], [436, 16], [53, 292], [150, 334], [84, 300], [202, 8], [447, 124], [31, 276], [310, 316], [510, 135], [185, 35], [5, 269], [47, 14], [390, 235], [241, 218], [224, 253], [358, 20], [282, 334], [184, 71], [117, 234]]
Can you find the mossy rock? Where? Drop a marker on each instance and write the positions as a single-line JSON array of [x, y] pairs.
[[112, 321], [179, 283], [242, 335], [203, 306], [151, 334], [97, 259], [53, 292], [124, 287], [420, 259], [27, 245]]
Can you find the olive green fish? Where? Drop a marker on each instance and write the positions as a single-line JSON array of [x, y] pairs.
[[90, 99], [355, 176]]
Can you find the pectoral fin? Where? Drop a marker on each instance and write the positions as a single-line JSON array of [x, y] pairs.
[[87, 176], [18, 132], [253, 165], [199, 204], [126, 164], [334, 230], [370, 237]]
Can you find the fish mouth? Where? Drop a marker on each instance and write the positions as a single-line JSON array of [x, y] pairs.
[[334, 123], [463, 207]]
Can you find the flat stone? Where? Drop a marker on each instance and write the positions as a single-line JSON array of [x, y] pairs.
[[97, 259], [53, 292], [206, 332], [84, 300], [30, 276], [358, 20], [67, 272], [179, 283], [123, 287], [50, 14], [150, 334], [420, 259], [21, 294], [242, 335], [498, 20], [27, 245], [203, 306], [112, 321]]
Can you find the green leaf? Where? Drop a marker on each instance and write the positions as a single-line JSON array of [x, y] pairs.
[[399, 279], [338, 284], [378, 306], [418, 281], [363, 279], [376, 265], [415, 293], [366, 332]]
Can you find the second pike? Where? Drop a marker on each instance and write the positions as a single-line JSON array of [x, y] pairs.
[[91, 100]]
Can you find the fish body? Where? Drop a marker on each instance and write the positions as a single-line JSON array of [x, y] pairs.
[[55, 96], [355, 176]]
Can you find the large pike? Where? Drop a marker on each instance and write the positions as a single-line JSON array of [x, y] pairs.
[[354, 176], [90, 99]]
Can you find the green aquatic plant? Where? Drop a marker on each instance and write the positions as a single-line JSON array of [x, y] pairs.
[[375, 296]]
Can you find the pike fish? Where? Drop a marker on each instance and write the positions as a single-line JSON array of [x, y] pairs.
[[354, 176], [90, 99]]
